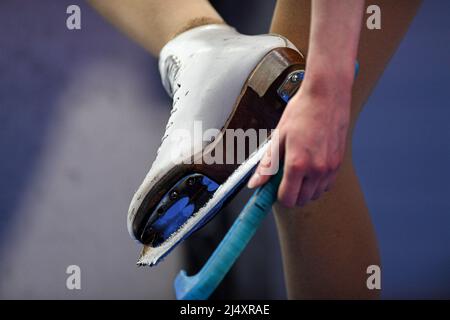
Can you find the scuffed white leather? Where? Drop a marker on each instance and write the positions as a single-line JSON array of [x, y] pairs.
[[212, 63]]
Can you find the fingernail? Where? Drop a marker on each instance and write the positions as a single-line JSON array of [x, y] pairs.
[[254, 180]]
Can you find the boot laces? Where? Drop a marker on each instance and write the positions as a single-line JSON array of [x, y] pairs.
[[172, 65]]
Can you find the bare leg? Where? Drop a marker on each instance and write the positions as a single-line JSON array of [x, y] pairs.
[[328, 244], [152, 23]]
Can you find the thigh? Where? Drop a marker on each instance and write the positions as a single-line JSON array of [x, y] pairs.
[[328, 244], [378, 46]]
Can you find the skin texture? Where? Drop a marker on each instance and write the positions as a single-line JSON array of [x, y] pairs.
[[152, 23], [314, 125], [326, 244]]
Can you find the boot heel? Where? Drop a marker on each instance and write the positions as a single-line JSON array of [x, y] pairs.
[[259, 107], [261, 102], [272, 66]]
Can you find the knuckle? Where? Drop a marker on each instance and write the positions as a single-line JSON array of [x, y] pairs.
[[299, 165], [321, 167]]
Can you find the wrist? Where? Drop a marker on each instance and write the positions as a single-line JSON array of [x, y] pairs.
[[329, 77]]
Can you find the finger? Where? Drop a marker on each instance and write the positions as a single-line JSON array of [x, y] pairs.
[[257, 178], [331, 181], [268, 166], [322, 186], [308, 189], [290, 185]]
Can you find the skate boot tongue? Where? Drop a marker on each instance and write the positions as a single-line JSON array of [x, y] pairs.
[[171, 67], [182, 48]]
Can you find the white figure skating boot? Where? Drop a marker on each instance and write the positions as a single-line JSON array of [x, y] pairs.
[[218, 79]]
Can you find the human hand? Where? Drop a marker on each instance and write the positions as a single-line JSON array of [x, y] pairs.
[[311, 139]]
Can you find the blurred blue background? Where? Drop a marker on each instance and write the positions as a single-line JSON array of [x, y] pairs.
[[402, 154], [81, 115]]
